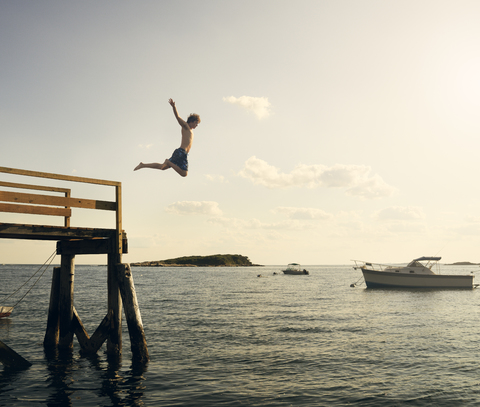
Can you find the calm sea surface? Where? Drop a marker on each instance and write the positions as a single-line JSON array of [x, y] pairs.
[[225, 337]]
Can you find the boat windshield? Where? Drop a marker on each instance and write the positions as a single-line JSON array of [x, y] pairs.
[[416, 263]]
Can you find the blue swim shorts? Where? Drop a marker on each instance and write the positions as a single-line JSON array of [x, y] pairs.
[[180, 158]]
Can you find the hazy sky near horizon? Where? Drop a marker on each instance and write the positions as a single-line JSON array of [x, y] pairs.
[[331, 130]]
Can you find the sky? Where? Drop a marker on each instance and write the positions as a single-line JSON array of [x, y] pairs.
[[330, 130]]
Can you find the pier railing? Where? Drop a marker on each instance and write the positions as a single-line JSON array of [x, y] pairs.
[[35, 203], [63, 319]]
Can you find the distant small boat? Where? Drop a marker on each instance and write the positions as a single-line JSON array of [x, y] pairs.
[[294, 268], [5, 312], [418, 273]]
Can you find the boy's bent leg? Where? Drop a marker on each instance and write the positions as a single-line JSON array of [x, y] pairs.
[[183, 173]]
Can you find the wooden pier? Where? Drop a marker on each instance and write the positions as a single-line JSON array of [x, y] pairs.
[[63, 320]]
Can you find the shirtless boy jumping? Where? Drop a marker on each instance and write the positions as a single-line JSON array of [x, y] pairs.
[[179, 159]]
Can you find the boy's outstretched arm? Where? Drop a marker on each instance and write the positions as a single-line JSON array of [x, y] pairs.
[[182, 122]]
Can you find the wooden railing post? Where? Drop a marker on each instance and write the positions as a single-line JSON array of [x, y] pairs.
[[67, 218], [118, 215]]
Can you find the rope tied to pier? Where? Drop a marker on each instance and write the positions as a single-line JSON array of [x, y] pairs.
[[44, 266]]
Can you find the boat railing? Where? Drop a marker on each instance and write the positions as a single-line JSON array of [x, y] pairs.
[[370, 266]]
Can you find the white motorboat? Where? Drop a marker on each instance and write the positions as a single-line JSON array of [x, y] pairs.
[[295, 268], [418, 273]]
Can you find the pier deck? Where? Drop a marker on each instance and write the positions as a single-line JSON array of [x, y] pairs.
[[45, 232]]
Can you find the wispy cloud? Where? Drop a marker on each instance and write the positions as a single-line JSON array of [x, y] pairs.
[[296, 221], [260, 106], [356, 179], [400, 213], [468, 229], [237, 224], [209, 208], [147, 146], [302, 213], [472, 219], [216, 178], [143, 242]]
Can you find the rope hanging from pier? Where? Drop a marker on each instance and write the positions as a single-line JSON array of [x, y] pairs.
[[43, 266]]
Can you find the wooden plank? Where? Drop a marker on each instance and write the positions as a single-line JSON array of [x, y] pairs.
[[57, 176], [35, 187], [35, 210], [40, 232], [90, 246], [20, 197], [87, 246]]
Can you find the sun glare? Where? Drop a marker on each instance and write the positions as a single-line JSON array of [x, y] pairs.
[[468, 82]]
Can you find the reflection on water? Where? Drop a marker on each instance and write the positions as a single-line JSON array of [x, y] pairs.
[[122, 388], [64, 377], [126, 389], [5, 326], [59, 366]]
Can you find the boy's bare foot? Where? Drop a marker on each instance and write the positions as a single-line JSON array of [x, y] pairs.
[[138, 167]]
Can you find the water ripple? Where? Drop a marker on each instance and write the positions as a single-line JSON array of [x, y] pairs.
[[225, 337]]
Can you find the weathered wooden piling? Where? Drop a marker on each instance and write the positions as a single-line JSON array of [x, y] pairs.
[[132, 313], [65, 302], [114, 340], [12, 359], [52, 333], [63, 320]]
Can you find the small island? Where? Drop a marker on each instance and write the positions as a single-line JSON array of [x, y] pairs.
[[463, 263], [215, 260]]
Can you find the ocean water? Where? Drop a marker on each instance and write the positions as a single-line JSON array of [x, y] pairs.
[[225, 337]]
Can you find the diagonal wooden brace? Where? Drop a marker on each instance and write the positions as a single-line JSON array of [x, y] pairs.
[[93, 344]]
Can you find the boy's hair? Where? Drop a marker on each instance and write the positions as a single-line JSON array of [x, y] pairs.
[[193, 118]]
